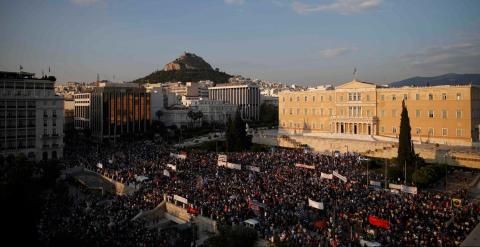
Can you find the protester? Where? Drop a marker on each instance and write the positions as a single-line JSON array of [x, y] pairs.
[[277, 196]]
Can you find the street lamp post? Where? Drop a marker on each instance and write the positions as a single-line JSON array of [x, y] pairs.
[[346, 147]]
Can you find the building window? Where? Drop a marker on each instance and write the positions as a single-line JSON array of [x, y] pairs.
[[290, 99], [298, 99], [444, 96], [368, 113], [394, 97], [459, 132], [313, 98], [305, 111], [382, 97], [290, 111], [418, 131], [394, 130], [330, 98], [394, 113], [444, 114], [430, 114], [45, 122], [417, 113], [444, 131], [313, 111], [349, 96], [306, 98], [321, 112], [283, 99], [382, 113], [417, 96], [459, 113], [405, 96], [341, 97], [321, 98], [368, 97], [430, 96], [330, 112], [459, 96], [382, 129], [359, 98], [298, 111], [430, 132]]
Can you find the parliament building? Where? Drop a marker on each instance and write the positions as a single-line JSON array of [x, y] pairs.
[[438, 114]]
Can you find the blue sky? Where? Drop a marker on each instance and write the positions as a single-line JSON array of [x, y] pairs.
[[306, 41]]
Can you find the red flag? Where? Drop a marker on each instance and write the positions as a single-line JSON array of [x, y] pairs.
[[320, 224], [192, 210], [378, 222]]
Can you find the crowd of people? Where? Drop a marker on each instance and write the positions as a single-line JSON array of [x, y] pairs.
[[276, 196]]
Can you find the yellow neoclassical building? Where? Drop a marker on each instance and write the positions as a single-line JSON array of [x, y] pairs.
[[438, 114]]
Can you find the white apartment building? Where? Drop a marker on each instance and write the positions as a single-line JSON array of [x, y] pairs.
[[245, 96], [31, 117]]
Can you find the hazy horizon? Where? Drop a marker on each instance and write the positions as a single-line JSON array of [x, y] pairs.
[[303, 42]]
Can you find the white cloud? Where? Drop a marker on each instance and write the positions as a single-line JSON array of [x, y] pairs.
[[344, 7], [336, 52], [86, 2], [458, 57], [234, 2]]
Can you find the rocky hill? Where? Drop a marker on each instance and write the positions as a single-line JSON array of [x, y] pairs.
[[447, 79], [188, 67]]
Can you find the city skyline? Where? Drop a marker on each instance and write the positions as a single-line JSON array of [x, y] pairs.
[[304, 42]]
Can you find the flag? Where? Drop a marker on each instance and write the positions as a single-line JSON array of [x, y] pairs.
[[21, 67], [378, 222], [48, 69], [320, 224], [355, 71]]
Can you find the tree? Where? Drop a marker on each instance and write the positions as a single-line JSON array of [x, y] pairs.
[[268, 115], [52, 78], [191, 115], [406, 152], [229, 134], [236, 134]]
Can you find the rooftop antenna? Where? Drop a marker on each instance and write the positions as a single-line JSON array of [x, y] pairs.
[[98, 77]]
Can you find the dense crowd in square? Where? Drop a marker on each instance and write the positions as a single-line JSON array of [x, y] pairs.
[[277, 197]]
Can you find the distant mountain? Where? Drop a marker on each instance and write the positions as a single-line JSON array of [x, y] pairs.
[[187, 68], [447, 79]]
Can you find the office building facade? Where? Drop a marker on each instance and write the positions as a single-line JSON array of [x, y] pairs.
[[245, 96], [31, 117], [114, 109]]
